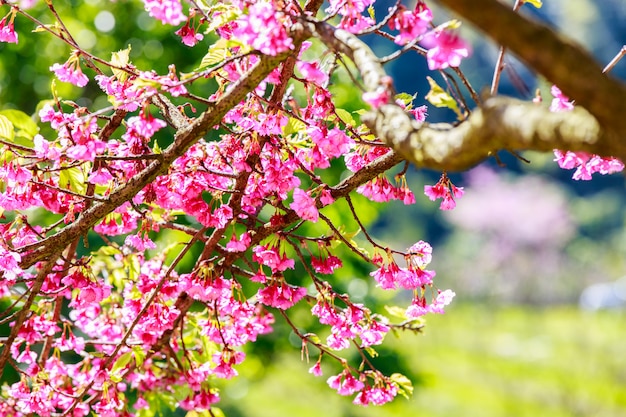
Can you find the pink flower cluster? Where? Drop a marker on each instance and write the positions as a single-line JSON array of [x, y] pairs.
[[70, 72], [352, 14], [380, 392], [7, 30], [410, 24], [390, 276], [349, 324], [445, 190], [586, 164], [414, 277], [263, 28], [167, 11]]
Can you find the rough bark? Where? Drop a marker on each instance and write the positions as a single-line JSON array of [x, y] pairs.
[[595, 126]]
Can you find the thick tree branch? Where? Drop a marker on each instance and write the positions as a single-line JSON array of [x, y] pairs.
[[500, 123], [557, 58]]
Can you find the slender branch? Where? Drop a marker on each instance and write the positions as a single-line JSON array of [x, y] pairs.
[[21, 317], [185, 137], [500, 61]]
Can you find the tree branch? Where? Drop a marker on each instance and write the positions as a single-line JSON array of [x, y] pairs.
[[557, 58], [185, 137], [501, 122]]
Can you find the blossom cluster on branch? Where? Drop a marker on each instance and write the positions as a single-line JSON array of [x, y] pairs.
[[250, 180]]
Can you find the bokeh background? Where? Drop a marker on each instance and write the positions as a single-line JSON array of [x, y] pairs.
[[522, 246]]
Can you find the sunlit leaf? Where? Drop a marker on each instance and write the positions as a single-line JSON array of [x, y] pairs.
[[24, 125], [221, 14], [6, 129], [120, 59], [345, 117], [72, 179], [218, 52], [405, 387], [396, 311], [119, 366], [294, 126], [536, 3], [438, 97]]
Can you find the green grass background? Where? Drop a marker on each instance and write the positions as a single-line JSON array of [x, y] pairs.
[[472, 361]]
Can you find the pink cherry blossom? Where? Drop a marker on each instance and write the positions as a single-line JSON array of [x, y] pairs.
[[239, 245], [262, 28], [560, 102], [586, 164], [304, 205], [409, 23], [189, 35], [443, 299], [420, 113], [311, 72], [282, 296], [345, 383], [445, 190], [326, 198], [377, 98], [9, 264], [316, 369], [70, 72], [327, 265], [445, 49], [7, 30], [167, 11]]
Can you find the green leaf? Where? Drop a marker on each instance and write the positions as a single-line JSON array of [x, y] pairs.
[[405, 387], [72, 179], [313, 338], [396, 311], [405, 98], [120, 364], [134, 268], [294, 126], [218, 52], [120, 59], [6, 129], [109, 251], [139, 354], [371, 351], [24, 125], [345, 117], [371, 13], [536, 3], [438, 97]]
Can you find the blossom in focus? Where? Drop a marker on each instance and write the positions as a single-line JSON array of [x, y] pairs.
[[262, 29], [70, 72], [445, 190], [585, 163], [311, 72], [304, 205], [7, 30], [189, 35]]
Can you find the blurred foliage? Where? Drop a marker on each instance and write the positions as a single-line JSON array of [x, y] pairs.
[[472, 362]]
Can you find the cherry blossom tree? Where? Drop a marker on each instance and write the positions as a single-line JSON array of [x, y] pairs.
[[102, 321]]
